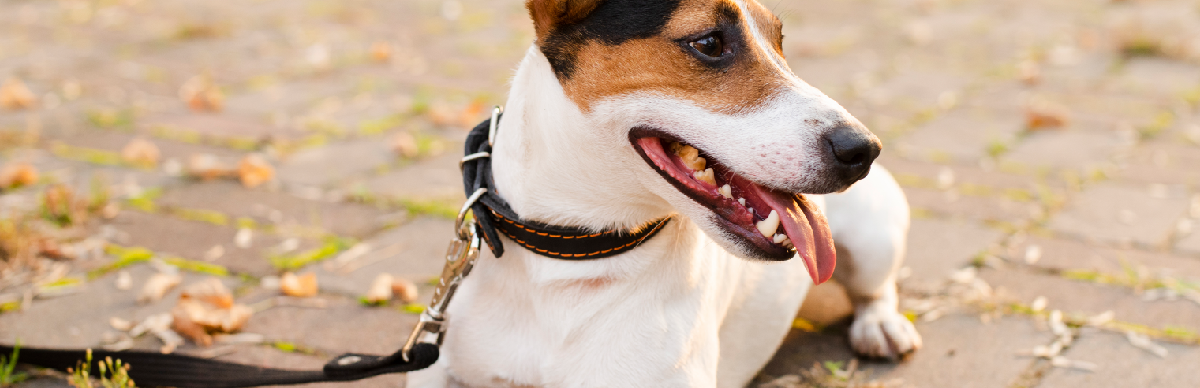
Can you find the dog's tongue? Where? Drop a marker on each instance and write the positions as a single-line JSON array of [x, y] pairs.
[[808, 230]]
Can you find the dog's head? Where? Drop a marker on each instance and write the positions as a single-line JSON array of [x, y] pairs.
[[729, 135]]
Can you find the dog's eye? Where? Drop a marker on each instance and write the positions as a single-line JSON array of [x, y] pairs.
[[710, 45]]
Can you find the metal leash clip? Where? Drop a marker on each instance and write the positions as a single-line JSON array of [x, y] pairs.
[[460, 258]]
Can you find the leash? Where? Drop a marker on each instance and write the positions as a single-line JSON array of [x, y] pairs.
[[492, 217]]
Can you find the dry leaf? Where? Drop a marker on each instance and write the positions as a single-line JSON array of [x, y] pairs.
[[299, 286], [253, 170], [381, 51], [191, 330], [158, 285], [210, 291], [405, 290], [15, 95], [381, 290], [201, 95], [51, 249], [206, 167], [441, 114], [120, 324], [124, 281], [406, 145], [1029, 72], [140, 151], [471, 114], [1046, 116], [18, 175]]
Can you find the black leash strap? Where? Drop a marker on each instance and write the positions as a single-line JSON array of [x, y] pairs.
[[559, 242], [152, 369]]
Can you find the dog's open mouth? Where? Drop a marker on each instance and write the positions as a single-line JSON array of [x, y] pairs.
[[772, 224]]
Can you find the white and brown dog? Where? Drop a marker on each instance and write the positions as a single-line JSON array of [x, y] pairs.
[[627, 111]]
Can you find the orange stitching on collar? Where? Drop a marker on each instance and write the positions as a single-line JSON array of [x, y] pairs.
[[528, 246]]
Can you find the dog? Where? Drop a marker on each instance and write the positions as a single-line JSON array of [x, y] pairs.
[[627, 111]]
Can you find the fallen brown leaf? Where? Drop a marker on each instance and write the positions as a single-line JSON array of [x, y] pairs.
[[158, 285], [18, 175], [15, 95], [253, 171], [381, 51], [302, 286], [1046, 116], [210, 291], [191, 330], [405, 290], [406, 145], [381, 289], [206, 167], [1029, 72], [471, 115], [201, 95], [141, 152]]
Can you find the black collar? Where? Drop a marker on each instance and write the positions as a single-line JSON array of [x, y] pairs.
[[554, 241]]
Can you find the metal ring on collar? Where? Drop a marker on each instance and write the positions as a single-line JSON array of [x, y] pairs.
[[462, 214], [496, 112], [468, 158]]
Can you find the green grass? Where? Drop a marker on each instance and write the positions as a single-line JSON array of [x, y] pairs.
[[331, 247], [8, 366], [444, 208], [113, 374]]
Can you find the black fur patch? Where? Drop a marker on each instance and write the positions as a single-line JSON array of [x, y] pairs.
[[612, 22]]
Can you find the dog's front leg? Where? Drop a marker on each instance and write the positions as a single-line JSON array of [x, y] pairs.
[[870, 225]]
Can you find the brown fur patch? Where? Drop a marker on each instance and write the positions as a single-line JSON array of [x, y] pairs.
[[549, 14], [661, 64]]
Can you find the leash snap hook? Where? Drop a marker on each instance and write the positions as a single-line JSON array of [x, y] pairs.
[[460, 259]]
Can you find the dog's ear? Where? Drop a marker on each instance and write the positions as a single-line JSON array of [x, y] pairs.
[[551, 14]]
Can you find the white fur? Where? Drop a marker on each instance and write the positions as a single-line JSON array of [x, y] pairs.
[[680, 310]]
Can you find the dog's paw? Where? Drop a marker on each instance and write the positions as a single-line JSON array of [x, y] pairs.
[[884, 334]]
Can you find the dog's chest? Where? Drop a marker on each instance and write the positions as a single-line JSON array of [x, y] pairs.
[[512, 332]]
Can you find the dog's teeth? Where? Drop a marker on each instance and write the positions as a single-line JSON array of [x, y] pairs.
[[768, 226], [742, 201], [691, 157], [780, 237], [787, 243], [706, 176], [726, 191]]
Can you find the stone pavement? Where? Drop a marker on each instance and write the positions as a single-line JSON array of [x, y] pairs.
[[1049, 150]]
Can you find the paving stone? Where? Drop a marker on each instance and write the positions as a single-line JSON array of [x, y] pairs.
[[1122, 365], [1159, 75], [193, 240], [116, 141], [1065, 149], [960, 351], [937, 248], [437, 178], [343, 326], [1161, 162], [332, 163], [984, 208], [1067, 254], [1122, 214], [963, 134], [1190, 244], [216, 126], [82, 319], [279, 208], [415, 251], [272, 358], [1082, 297]]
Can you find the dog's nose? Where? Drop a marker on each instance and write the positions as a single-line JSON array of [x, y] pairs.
[[854, 149]]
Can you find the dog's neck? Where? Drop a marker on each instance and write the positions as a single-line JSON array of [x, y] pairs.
[[554, 164]]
